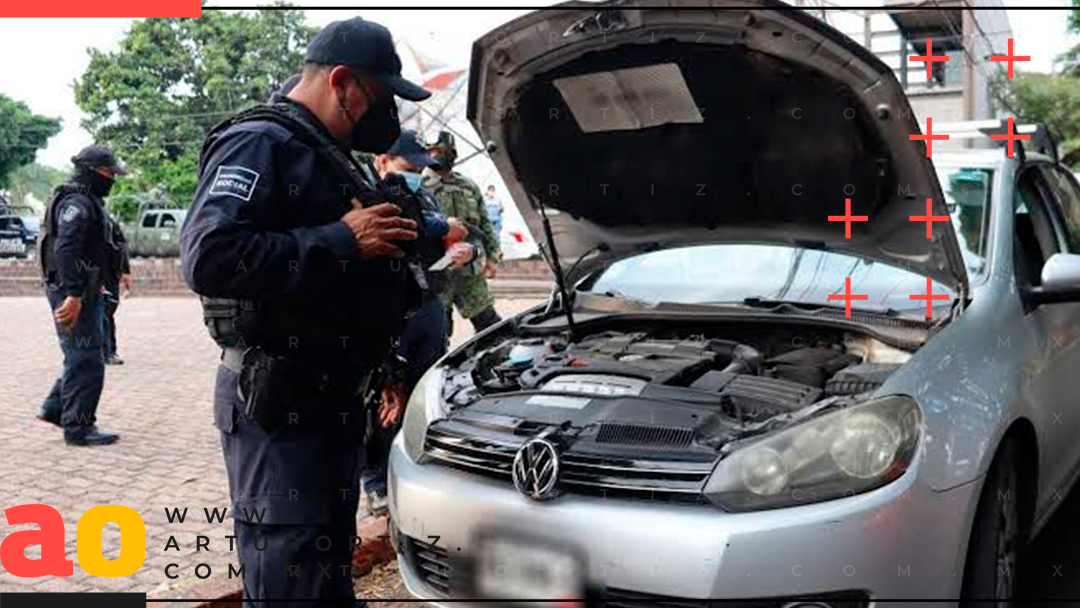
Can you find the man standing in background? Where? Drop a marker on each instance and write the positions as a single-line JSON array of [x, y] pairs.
[[494, 209], [424, 340], [461, 198], [72, 253], [115, 273]]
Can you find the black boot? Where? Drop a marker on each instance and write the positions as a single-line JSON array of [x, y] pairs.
[[50, 418], [89, 436], [485, 319]]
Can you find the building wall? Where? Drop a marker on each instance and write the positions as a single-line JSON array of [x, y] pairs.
[[986, 31], [988, 34]]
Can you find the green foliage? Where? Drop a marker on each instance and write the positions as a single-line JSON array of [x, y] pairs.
[[172, 80], [22, 134], [35, 180], [1071, 58], [1052, 99]]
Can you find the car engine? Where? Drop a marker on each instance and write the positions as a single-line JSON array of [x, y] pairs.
[[648, 410], [639, 377]]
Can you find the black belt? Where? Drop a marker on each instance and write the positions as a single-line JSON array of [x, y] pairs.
[[311, 378]]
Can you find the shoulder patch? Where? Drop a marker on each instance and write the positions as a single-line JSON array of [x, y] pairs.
[[232, 180], [70, 214]]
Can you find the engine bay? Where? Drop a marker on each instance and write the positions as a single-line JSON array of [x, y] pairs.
[[644, 386]]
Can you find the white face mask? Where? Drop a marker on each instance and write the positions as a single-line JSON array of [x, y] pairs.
[[431, 177]]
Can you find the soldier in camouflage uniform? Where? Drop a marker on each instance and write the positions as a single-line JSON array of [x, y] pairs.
[[461, 198]]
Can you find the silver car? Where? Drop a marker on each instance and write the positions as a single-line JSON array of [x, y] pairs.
[[764, 377]]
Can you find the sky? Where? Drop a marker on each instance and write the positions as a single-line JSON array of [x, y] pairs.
[[58, 47]]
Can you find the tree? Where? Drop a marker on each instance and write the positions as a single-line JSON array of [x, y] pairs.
[[34, 180], [1052, 99], [172, 80], [22, 134], [1071, 57]]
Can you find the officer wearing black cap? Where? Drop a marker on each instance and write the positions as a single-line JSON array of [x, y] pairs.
[[305, 288], [72, 252], [424, 338]]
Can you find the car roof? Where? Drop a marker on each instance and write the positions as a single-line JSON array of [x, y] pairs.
[[983, 157]]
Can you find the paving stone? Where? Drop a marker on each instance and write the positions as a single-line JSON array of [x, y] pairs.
[[169, 454]]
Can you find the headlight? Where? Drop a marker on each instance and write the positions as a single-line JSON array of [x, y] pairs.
[[425, 406], [841, 454]]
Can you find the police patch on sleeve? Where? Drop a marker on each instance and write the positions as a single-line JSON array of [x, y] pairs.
[[70, 214], [235, 181]]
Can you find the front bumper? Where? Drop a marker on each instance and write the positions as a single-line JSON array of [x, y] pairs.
[[900, 542]]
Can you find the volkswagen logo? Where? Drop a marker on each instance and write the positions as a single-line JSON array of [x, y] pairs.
[[536, 469]]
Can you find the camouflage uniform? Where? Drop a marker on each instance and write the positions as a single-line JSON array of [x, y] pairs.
[[461, 198]]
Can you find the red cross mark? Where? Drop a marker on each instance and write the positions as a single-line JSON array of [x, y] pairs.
[[847, 297], [929, 137], [930, 58], [929, 219], [847, 218], [1010, 136], [929, 297], [1010, 58]]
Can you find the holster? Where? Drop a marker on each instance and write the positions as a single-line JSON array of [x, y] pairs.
[[267, 387], [270, 384]]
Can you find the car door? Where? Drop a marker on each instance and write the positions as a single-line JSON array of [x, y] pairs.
[[167, 231], [1051, 378], [147, 243]]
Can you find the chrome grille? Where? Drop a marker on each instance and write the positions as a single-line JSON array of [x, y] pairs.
[[666, 480], [432, 564]]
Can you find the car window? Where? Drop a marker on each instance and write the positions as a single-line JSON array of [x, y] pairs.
[[1035, 236], [150, 220], [1068, 200], [729, 273], [167, 220], [967, 196]]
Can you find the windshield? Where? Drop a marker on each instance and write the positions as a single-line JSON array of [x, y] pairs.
[[31, 223], [729, 273], [967, 195]]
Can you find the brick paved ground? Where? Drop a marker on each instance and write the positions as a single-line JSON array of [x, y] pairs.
[[169, 455]]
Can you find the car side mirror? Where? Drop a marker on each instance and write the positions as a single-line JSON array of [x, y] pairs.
[[1060, 280]]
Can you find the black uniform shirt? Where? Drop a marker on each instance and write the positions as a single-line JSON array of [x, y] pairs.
[[76, 229], [265, 225]]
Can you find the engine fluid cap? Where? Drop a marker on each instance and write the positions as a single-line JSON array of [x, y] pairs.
[[523, 354]]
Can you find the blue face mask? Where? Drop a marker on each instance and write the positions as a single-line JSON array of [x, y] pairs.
[[415, 181]]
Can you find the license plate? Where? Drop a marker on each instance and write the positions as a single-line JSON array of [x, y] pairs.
[[510, 568], [11, 246]]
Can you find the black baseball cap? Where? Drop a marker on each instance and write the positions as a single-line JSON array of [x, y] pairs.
[[95, 157], [410, 147], [366, 46]]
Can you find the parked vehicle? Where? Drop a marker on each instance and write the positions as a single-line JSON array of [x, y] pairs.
[[20, 228], [696, 416], [156, 229]]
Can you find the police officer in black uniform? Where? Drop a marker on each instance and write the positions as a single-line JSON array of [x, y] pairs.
[[72, 253], [306, 288]]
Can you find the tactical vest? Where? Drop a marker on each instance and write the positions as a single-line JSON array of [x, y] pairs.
[[46, 250], [236, 322]]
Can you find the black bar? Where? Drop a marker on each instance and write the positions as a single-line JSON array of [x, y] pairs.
[[67, 600]]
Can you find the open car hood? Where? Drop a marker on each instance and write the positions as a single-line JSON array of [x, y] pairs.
[[643, 129]]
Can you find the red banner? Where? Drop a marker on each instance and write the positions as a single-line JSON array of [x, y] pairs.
[[101, 8]]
